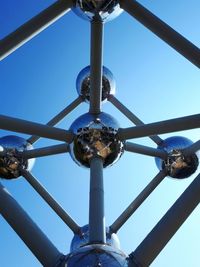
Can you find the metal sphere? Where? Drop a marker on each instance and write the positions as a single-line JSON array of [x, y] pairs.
[[83, 84], [100, 9], [82, 239], [177, 165], [96, 135], [96, 256], [11, 162]]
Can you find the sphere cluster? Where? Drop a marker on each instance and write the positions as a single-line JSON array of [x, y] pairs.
[[95, 135], [11, 161], [83, 84], [177, 164]]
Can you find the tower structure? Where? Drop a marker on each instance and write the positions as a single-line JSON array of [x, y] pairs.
[[95, 140]]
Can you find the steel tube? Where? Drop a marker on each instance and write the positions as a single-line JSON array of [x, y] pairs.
[[162, 30], [33, 27], [51, 201], [45, 151], [191, 149], [156, 240], [58, 117], [27, 230], [131, 116], [27, 127], [145, 150], [96, 66], [168, 126], [97, 230], [135, 204]]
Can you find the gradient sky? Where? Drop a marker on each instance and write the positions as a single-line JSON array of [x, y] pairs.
[[154, 81]]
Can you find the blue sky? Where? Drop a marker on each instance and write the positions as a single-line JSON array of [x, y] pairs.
[[153, 80]]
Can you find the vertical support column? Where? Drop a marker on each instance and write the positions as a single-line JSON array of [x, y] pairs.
[[96, 210], [27, 230], [96, 66]]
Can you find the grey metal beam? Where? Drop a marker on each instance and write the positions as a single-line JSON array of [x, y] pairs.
[[34, 26], [164, 230], [128, 212], [97, 230], [45, 151], [51, 201], [27, 127], [96, 66], [162, 30], [131, 116], [27, 230], [168, 126], [145, 150], [191, 149], [58, 117]]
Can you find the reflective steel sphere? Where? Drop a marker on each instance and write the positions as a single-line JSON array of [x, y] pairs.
[[11, 162], [96, 256], [177, 165], [103, 10], [83, 84], [96, 135], [79, 241]]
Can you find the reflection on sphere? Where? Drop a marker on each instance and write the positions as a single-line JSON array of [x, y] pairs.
[[83, 84], [12, 161], [83, 239], [96, 135], [177, 165], [96, 256], [102, 10]]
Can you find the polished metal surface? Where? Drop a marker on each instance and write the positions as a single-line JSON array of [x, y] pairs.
[[83, 84], [177, 164], [12, 161], [95, 135], [102, 9]]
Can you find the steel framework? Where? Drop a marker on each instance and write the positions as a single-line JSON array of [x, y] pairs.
[[155, 241]]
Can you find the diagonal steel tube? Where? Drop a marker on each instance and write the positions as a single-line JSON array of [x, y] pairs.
[[51, 201], [164, 230], [162, 30], [173, 125], [97, 230], [131, 116], [45, 151], [58, 117], [145, 150], [191, 149], [34, 26], [27, 230], [96, 66], [135, 204], [28, 127]]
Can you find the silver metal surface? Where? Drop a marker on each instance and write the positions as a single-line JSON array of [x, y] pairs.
[[103, 9], [83, 84], [11, 160], [95, 135], [177, 164]]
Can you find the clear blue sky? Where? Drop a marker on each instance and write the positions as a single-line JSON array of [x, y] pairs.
[[154, 81]]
